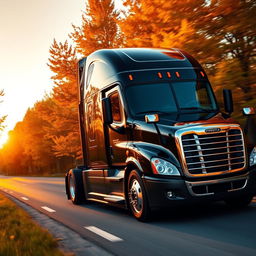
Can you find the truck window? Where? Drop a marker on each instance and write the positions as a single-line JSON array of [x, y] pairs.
[[194, 94], [167, 98], [151, 97], [116, 107]]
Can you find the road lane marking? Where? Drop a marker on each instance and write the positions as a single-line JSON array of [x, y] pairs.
[[48, 209], [104, 234], [24, 198]]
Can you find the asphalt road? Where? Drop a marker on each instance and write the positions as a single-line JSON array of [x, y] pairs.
[[208, 230]]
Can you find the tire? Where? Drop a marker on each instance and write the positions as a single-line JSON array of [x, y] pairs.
[[137, 198], [75, 186], [239, 202]]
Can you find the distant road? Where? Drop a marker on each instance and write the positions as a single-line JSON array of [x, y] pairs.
[[209, 230]]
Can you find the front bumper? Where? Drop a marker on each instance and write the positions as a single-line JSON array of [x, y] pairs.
[[164, 192]]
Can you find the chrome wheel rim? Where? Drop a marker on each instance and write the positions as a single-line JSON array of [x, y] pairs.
[[135, 196], [71, 187]]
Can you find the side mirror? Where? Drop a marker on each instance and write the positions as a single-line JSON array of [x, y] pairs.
[[228, 101], [248, 111], [107, 111]]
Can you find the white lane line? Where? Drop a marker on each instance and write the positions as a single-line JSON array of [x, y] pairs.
[[24, 198], [104, 234], [48, 209]]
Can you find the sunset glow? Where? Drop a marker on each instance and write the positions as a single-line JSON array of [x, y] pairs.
[[24, 74], [3, 139]]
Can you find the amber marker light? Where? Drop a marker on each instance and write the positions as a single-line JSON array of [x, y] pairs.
[[168, 74], [202, 73], [160, 75], [177, 74], [130, 77]]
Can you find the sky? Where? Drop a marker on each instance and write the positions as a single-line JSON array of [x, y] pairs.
[[27, 30]]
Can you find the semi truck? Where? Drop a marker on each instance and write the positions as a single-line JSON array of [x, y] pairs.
[[154, 136]]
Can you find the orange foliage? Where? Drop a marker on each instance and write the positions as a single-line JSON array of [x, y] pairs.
[[99, 28]]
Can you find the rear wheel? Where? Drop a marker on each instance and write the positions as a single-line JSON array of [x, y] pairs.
[[239, 202], [137, 198], [75, 186]]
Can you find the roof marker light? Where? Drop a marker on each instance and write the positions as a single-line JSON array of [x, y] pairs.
[[131, 77], [177, 74], [168, 74], [202, 73], [160, 75]]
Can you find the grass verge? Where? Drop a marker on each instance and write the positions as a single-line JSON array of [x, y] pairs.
[[20, 235]]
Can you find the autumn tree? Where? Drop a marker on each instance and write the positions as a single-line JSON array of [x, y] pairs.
[[37, 144], [64, 129], [13, 160], [99, 27], [30, 148], [168, 24], [233, 24]]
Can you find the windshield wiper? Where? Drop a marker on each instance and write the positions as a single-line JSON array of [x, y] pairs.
[[151, 112], [199, 109]]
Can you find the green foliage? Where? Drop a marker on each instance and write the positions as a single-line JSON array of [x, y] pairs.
[[20, 236]]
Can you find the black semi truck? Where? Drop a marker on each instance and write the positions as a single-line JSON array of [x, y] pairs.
[[153, 135]]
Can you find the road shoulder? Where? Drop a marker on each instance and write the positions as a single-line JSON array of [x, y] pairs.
[[69, 241]]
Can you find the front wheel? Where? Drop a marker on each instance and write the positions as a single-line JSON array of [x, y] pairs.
[[137, 197], [75, 186]]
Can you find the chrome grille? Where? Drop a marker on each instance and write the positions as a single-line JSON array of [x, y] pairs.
[[213, 153]]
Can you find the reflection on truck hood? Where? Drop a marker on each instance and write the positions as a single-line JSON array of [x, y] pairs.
[[185, 119], [169, 124]]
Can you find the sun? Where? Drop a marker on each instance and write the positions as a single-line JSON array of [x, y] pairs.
[[3, 138]]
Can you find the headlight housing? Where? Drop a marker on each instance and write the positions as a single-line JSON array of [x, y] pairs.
[[253, 157], [163, 167]]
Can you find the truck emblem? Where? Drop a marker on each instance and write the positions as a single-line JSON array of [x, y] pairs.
[[210, 130]]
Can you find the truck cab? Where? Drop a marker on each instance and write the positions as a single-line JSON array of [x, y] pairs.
[[153, 135]]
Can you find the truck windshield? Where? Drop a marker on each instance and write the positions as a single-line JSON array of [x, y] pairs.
[[192, 96]]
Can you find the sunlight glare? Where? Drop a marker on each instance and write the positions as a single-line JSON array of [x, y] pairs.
[[3, 139]]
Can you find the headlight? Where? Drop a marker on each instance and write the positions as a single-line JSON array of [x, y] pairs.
[[253, 157], [163, 167]]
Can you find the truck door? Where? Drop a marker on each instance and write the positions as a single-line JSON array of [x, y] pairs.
[[117, 131], [95, 175]]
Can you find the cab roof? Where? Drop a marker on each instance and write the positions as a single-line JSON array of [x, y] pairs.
[[127, 59]]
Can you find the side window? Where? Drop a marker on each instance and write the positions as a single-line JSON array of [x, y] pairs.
[[116, 107]]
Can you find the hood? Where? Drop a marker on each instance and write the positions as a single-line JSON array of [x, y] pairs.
[[170, 125]]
